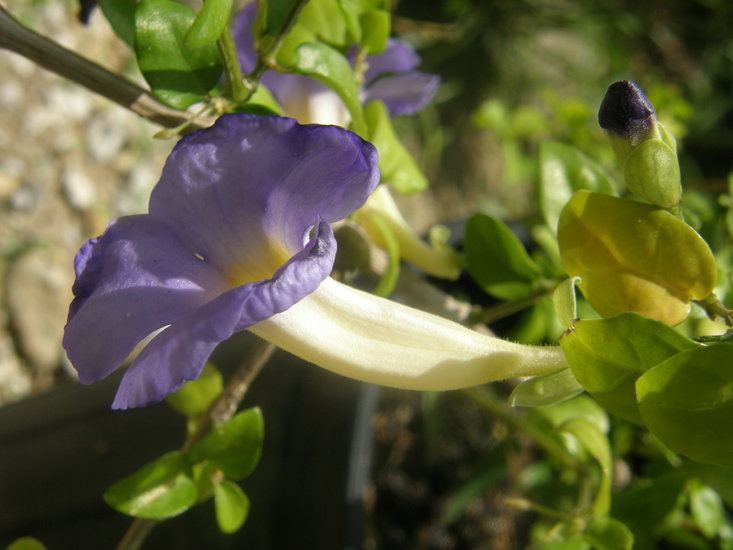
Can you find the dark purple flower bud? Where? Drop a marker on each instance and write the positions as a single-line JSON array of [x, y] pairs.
[[626, 111]]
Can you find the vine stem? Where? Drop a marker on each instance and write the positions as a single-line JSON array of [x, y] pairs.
[[220, 411], [54, 57]]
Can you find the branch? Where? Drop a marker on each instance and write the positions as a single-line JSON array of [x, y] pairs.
[[55, 58]]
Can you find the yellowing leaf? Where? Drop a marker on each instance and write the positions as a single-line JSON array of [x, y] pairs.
[[634, 257]]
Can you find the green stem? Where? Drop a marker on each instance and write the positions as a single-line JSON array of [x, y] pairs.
[[219, 412], [239, 90], [505, 309], [716, 310]]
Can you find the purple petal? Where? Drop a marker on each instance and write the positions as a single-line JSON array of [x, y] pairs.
[[134, 279], [403, 94], [178, 354], [244, 193], [244, 41], [397, 58]]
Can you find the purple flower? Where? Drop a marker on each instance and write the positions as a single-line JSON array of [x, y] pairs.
[[391, 77], [237, 231]]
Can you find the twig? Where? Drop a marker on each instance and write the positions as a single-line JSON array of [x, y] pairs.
[[219, 412], [55, 58]]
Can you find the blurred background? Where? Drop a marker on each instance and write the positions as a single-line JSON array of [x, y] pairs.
[[514, 73]]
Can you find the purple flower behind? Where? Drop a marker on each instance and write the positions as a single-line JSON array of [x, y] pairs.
[[237, 231], [391, 76]]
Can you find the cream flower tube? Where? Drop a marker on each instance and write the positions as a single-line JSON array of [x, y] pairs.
[[375, 340]]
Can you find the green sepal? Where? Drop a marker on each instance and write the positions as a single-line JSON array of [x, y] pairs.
[[652, 172], [195, 397], [546, 390], [177, 75], [396, 165], [235, 446], [687, 402], [497, 260], [231, 506], [161, 489], [210, 22], [566, 302], [608, 355]]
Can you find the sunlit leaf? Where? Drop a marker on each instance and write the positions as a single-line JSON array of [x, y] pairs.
[[565, 301], [687, 402], [196, 396], [707, 509], [121, 17], [178, 76], [159, 490], [634, 257], [608, 355], [396, 165], [231, 505], [233, 447]]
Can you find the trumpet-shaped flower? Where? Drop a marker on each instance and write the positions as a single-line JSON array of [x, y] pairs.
[[390, 77], [238, 237]]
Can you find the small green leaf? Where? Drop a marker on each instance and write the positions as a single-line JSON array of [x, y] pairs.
[[26, 543], [210, 22], [232, 506], [276, 13], [178, 76], [565, 302], [606, 533], [687, 402], [707, 509], [195, 397], [328, 65], [375, 28], [159, 490], [634, 257], [235, 446], [608, 355], [396, 165], [497, 260], [596, 443], [121, 17], [582, 406], [563, 171], [546, 390]]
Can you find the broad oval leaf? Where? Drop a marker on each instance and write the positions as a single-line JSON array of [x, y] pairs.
[[231, 505], [235, 446], [608, 355], [634, 257], [160, 489], [687, 402], [497, 260], [177, 75], [563, 171]]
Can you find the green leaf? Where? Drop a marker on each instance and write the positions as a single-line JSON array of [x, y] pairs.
[[596, 443], [634, 257], [497, 260], [707, 509], [232, 506], [396, 165], [26, 543], [159, 490], [563, 171], [687, 402], [565, 302], [210, 22], [178, 76], [608, 534], [276, 13], [582, 406], [121, 17], [608, 355], [375, 28], [233, 447], [327, 20], [546, 390], [195, 397], [330, 67]]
